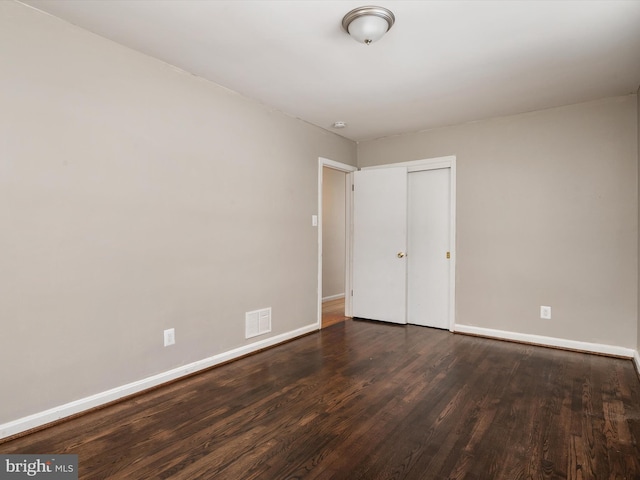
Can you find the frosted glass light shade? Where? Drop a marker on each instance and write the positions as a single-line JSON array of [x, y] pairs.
[[368, 28], [368, 24]]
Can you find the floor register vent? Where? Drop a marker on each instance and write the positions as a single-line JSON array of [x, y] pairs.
[[257, 322]]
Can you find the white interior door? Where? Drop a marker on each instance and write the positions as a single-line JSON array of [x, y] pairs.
[[428, 268], [379, 244]]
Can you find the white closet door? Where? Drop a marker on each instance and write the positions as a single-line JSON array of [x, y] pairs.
[[379, 244], [428, 244]]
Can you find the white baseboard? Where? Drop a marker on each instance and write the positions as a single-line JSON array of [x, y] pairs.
[[549, 341], [333, 297], [38, 419]]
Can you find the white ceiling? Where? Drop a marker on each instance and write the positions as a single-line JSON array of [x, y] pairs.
[[442, 63]]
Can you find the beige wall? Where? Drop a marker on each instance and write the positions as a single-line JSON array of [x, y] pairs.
[[333, 232], [638, 151], [546, 215], [134, 198]]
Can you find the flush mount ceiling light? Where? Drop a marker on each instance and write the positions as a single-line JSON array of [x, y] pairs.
[[368, 24]]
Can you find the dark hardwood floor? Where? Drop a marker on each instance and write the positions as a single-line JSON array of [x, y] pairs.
[[367, 400]]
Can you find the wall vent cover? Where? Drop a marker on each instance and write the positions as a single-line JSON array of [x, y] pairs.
[[257, 322]]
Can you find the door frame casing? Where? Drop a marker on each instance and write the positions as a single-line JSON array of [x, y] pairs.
[[433, 164], [348, 170]]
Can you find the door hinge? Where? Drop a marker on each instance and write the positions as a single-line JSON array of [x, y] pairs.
[[448, 254], [353, 187], [352, 293]]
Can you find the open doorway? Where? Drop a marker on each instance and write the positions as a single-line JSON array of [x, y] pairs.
[[334, 241], [334, 184]]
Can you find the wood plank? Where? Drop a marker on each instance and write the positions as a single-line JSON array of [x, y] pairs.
[[369, 400], [333, 312]]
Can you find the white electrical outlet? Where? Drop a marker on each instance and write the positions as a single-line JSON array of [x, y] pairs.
[[169, 337], [545, 312]]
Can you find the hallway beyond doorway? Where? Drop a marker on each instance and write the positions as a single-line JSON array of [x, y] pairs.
[[333, 312]]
